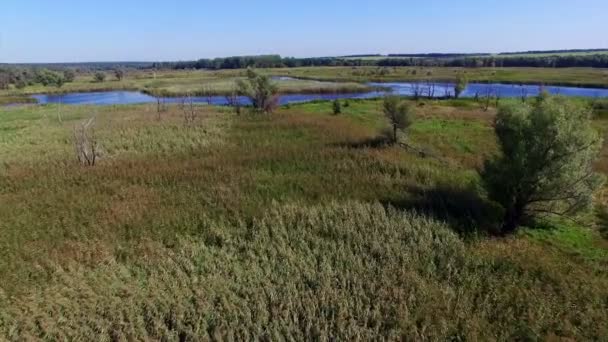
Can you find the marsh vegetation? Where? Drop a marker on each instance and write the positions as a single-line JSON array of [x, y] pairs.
[[299, 224]]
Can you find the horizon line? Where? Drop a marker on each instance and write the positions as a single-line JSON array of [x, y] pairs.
[[455, 54]]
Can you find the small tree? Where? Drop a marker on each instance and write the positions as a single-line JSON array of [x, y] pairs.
[[100, 76], [260, 90], [69, 75], [4, 80], [161, 107], [337, 108], [189, 109], [398, 113], [59, 81], [232, 99], [461, 85], [119, 74], [546, 165]]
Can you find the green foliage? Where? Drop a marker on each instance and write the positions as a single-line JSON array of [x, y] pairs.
[[69, 75], [569, 238], [337, 107], [461, 85], [99, 76], [398, 113], [546, 166], [50, 78], [260, 90]]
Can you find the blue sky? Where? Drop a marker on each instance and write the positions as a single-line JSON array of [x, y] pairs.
[[113, 30]]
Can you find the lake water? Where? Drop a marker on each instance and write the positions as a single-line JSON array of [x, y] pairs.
[[493, 89], [398, 88]]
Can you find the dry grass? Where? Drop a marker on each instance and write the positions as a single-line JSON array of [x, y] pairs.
[[337, 271]]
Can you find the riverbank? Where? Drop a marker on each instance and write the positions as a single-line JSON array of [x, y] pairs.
[[477, 91], [16, 99], [183, 83], [316, 80], [571, 77]]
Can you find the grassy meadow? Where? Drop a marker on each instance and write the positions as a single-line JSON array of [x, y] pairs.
[[299, 225]]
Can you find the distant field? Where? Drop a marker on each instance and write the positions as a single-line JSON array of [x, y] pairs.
[[592, 77], [337, 79]]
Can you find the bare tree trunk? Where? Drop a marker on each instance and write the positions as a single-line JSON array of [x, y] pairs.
[[394, 133], [512, 219]]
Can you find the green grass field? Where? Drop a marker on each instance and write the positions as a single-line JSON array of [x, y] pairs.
[[296, 225]]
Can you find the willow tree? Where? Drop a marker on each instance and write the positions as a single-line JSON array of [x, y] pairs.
[[461, 84], [546, 161], [260, 90]]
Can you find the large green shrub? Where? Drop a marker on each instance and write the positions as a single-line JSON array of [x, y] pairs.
[[546, 165]]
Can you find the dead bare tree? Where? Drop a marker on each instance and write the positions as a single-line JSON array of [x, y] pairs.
[[524, 93], [85, 143], [446, 91], [416, 90], [430, 89], [233, 101], [487, 98], [161, 107], [207, 94], [189, 110]]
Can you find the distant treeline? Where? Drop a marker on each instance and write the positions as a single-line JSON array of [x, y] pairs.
[[427, 60], [557, 61], [267, 61], [436, 55], [84, 66], [361, 56], [536, 52], [21, 77]]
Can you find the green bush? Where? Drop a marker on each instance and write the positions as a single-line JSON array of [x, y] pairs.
[[99, 76], [336, 107]]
